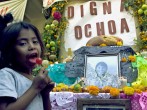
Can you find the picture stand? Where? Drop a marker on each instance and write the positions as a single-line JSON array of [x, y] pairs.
[[77, 66]]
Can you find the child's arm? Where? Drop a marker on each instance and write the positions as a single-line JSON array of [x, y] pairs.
[[22, 102], [46, 97]]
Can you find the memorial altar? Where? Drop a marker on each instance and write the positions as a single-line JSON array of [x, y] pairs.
[[68, 100], [89, 30]]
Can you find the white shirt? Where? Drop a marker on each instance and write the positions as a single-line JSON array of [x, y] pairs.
[[13, 84]]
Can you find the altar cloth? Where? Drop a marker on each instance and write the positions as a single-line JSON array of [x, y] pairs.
[[68, 100]]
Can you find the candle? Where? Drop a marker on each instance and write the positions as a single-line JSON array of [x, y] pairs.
[[123, 82]]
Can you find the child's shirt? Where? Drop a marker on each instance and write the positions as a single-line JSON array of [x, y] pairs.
[[13, 84]]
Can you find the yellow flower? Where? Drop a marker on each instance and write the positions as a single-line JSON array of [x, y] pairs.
[[119, 43], [54, 9], [132, 58], [103, 45], [88, 45], [114, 92], [128, 90], [56, 89], [124, 59], [93, 90], [106, 89]]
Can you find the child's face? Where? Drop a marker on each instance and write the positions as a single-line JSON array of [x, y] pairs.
[[101, 70], [27, 49]]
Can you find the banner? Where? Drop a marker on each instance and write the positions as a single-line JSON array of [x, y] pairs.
[[94, 18], [16, 7], [48, 3]]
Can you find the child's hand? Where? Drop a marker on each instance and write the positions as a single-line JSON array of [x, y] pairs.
[[48, 88], [41, 80]]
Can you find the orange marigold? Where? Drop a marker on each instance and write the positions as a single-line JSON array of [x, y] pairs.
[[114, 92], [137, 91], [103, 45], [106, 89], [93, 90], [132, 58], [124, 59]]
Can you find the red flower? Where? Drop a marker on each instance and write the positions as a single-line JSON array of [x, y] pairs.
[[57, 15]]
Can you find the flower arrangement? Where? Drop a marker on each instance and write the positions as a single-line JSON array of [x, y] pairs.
[[95, 90], [53, 31], [139, 8], [130, 58]]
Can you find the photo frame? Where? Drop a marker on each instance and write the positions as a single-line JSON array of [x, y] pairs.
[[102, 70], [103, 104]]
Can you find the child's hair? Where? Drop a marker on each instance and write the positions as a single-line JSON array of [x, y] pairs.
[[103, 64], [4, 20], [8, 40]]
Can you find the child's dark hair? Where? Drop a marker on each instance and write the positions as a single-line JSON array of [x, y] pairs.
[[8, 40], [4, 20], [102, 64]]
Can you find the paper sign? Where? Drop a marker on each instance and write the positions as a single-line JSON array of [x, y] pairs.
[[94, 18]]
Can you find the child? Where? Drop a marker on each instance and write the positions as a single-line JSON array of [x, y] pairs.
[[101, 69], [20, 45], [104, 78]]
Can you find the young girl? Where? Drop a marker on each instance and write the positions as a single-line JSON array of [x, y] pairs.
[[20, 45]]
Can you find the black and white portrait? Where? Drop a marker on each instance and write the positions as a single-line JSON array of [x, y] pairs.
[[102, 70]]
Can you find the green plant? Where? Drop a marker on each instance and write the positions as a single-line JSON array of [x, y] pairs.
[[138, 8], [53, 31]]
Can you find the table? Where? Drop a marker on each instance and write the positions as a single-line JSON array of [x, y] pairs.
[[68, 100]]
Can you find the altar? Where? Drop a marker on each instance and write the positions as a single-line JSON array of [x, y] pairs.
[[68, 100]]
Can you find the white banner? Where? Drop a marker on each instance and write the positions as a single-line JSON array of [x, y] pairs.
[[94, 18], [16, 7], [48, 3]]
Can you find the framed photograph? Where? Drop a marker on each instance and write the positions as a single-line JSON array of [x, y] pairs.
[[103, 104], [102, 70]]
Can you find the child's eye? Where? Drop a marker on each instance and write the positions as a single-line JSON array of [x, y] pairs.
[[22, 43], [35, 42]]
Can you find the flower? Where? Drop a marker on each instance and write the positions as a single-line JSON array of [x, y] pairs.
[[119, 43], [103, 45], [106, 89], [93, 90], [137, 91], [128, 90], [124, 59], [54, 29], [57, 15], [132, 58], [114, 92]]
